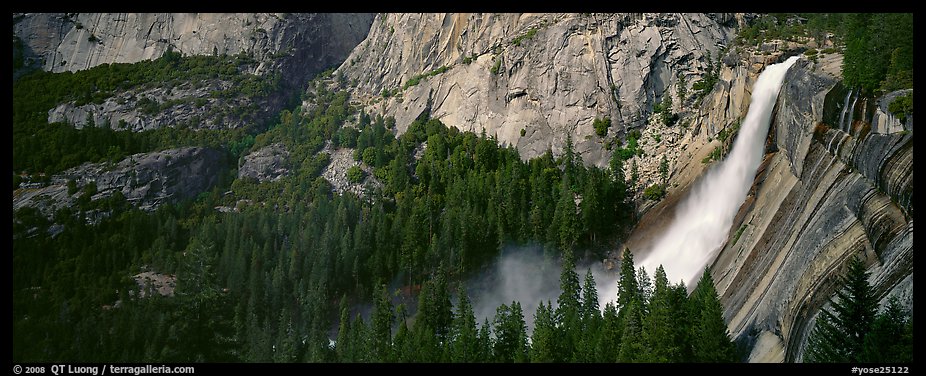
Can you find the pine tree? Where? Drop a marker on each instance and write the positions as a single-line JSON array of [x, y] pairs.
[[544, 339], [342, 346], [628, 289], [434, 319], [381, 330], [609, 339], [682, 322], [891, 337], [568, 309], [590, 322], [839, 334], [359, 341], [402, 342], [465, 346], [646, 289], [202, 330], [657, 326], [484, 342], [711, 340], [510, 334], [633, 349], [664, 170]]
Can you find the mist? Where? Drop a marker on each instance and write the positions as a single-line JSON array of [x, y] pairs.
[[525, 275]]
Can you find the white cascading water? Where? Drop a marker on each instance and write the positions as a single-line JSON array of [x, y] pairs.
[[702, 221], [845, 109]]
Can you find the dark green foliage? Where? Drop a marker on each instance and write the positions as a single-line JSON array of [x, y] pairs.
[[381, 327], [681, 87], [510, 334], [465, 341], [528, 35], [259, 285], [631, 148], [434, 322], [568, 312], [842, 333], [416, 79], [354, 174], [879, 51], [710, 78], [878, 47], [654, 192], [544, 341], [664, 107], [664, 170], [628, 290], [202, 330], [50, 148], [590, 319], [601, 126], [891, 337], [902, 106], [714, 155], [496, 66], [632, 349], [711, 340]]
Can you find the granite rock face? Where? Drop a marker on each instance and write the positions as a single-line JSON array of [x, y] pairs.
[[822, 196], [145, 180], [546, 74], [77, 41], [295, 46], [269, 163]]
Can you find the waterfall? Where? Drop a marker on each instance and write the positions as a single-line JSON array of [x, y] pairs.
[[850, 115], [703, 219], [845, 109]]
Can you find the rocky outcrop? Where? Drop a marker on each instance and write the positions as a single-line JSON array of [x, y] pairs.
[[549, 75], [883, 121], [76, 41], [269, 163], [189, 105], [152, 282], [295, 46], [821, 197], [145, 180], [336, 173]]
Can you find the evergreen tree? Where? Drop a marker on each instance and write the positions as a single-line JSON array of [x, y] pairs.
[[402, 343], [510, 334], [682, 319], [891, 337], [633, 350], [381, 329], [465, 345], [664, 170], [485, 345], [568, 309], [202, 330], [544, 339], [628, 289], [342, 346], [359, 341], [711, 340], [609, 339], [590, 319], [646, 289], [657, 326], [839, 334], [434, 319]]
